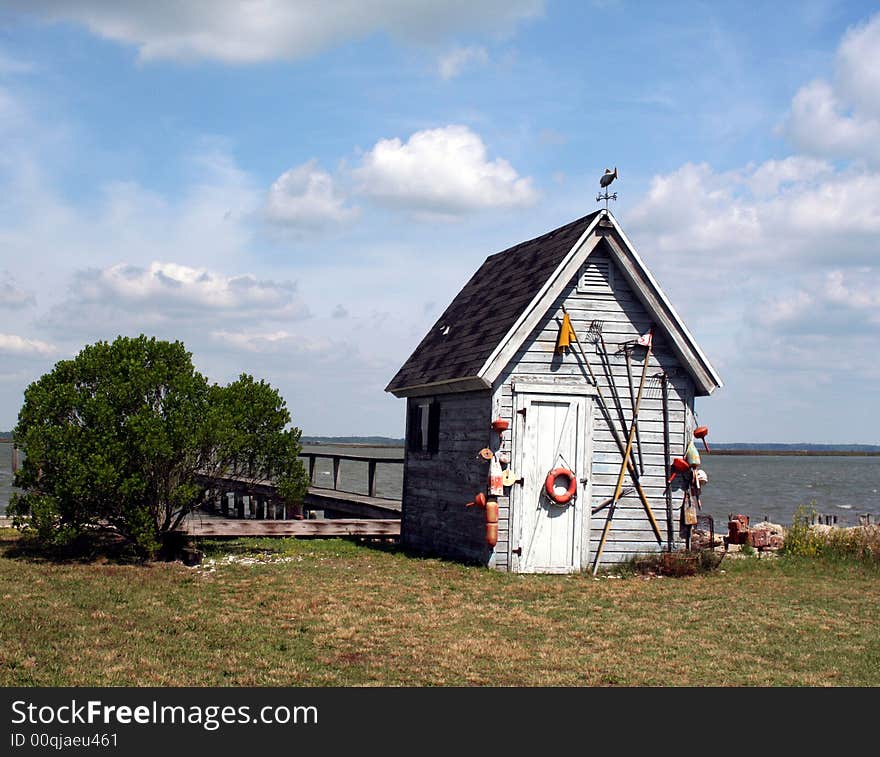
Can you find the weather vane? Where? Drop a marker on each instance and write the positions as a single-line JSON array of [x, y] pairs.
[[604, 182]]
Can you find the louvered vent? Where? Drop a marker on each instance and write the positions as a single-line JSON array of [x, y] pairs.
[[597, 276]]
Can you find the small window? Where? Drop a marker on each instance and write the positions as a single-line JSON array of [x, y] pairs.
[[424, 426], [597, 276]]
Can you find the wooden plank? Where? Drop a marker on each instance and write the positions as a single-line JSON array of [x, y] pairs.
[[354, 504], [311, 528], [356, 458]]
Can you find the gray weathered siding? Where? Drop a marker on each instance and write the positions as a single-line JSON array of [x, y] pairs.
[[624, 319], [437, 487]]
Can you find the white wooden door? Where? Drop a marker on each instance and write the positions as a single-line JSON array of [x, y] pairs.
[[552, 429]]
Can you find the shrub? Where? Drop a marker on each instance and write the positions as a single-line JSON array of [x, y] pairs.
[[861, 544], [677, 564], [801, 539], [118, 436]]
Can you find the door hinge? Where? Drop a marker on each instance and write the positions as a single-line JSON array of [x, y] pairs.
[[584, 480], [522, 412], [517, 551]]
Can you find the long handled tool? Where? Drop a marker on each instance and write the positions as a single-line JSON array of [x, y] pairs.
[[605, 502], [603, 406], [623, 468], [627, 348], [667, 452], [594, 334]]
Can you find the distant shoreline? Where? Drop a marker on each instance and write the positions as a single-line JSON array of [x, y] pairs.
[[795, 452], [741, 452]]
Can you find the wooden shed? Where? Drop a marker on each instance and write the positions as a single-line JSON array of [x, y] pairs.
[[493, 355]]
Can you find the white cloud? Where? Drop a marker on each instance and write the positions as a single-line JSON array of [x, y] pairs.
[[858, 66], [841, 119], [10, 65], [456, 60], [174, 289], [443, 171], [305, 197], [819, 124], [733, 216], [772, 176], [835, 302], [12, 344], [12, 296], [278, 342], [237, 32]]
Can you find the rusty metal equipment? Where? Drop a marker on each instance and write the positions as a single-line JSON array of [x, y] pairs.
[[738, 529]]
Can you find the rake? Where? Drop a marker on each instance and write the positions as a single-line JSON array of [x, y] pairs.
[[650, 388], [626, 348], [594, 334], [603, 406]]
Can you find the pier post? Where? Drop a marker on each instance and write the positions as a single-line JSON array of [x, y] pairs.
[[336, 467], [371, 478]]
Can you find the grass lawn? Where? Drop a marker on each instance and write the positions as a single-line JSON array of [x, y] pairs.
[[334, 613]]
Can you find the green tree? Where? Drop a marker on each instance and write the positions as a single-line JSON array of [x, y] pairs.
[[119, 436]]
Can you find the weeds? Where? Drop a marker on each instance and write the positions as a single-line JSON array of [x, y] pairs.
[[840, 544], [676, 564]]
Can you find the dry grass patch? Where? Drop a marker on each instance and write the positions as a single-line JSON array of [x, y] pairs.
[[323, 613]]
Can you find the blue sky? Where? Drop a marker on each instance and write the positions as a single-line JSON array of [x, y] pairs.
[[296, 190]]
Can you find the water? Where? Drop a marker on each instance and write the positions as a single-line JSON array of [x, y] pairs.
[[754, 485], [775, 486]]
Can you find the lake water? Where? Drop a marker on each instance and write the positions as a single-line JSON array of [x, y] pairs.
[[754, 485]]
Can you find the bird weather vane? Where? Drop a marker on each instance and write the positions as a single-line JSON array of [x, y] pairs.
[[605, 182]]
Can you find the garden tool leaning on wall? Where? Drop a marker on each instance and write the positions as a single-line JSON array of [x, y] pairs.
[[647, 342], [606, 411]]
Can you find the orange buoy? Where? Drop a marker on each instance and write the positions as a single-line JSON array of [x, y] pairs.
[[491, 511], [701, 432], [550, 485], [479, 500], [491, 522], [679, 465], [491, 534]]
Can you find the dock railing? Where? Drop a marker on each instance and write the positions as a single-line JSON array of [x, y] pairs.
[[337, 459]]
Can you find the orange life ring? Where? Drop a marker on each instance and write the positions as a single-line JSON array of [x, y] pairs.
[[565, 497]]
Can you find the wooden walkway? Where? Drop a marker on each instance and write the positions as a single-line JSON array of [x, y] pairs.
[[357, 505], [335, 502], [376, 527]]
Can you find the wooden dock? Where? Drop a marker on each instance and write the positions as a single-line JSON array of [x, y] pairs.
[[349, 503], [238, 506], [334, 527]]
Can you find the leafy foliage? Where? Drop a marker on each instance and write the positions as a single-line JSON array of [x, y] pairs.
[[800, 539], [860, 544], [118, 436]]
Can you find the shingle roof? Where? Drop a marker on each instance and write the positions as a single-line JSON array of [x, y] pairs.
[[484, 311]]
